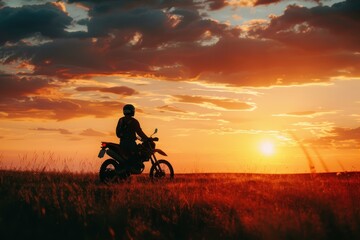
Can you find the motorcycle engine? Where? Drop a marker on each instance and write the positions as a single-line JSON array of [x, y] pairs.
[[144, 154]]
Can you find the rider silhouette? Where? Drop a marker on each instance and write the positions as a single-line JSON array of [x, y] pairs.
[[127, 129]]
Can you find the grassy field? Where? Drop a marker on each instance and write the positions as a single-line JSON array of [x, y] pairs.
[[194, 206]]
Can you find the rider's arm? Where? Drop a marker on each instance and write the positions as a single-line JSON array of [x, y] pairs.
[[139, 131]]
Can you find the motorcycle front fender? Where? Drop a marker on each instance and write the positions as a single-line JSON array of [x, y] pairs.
[[161, 152]]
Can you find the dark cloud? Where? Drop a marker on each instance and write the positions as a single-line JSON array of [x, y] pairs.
[[143, 20], [121, 37], [153, 26], [319, 28], [228, 104], [217, 4], [58, 58], [60, 130], [28, 20], [105, 6], [68, 58], [303, 45], [121, 90]]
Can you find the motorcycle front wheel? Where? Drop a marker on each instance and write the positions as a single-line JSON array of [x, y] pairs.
[[111, 172], [162, 169]]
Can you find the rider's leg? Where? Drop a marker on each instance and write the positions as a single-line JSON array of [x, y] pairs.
[[132, 153]]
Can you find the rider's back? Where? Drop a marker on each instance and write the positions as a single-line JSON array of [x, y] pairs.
[[126, 128]]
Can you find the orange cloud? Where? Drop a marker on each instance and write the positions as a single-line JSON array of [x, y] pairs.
[[60, 5], [91, 132], [307, 114], [340, 134], [121, 90], [340, 138], [169, 108], [14, 86], [56, 109], [225, 104], [60, 130]]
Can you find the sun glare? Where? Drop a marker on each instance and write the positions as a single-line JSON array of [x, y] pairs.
[[267, 148]]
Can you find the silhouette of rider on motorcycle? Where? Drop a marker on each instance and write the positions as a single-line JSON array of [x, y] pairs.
[[127, 129]]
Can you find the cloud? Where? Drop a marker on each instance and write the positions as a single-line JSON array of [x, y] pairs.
[[315, 125], [318, 29], [115, 40], [265, 2], [224, 104], [121, 90], [146, 26], [14, 86], [306, 114], [169, 108], [340, 138], [341, 134], [60, 130], [75, 139], [56, 109], [91, 132], [254, 3], [268, 2], [80, 58], [106, 6], [231, 131], [28, 20], [60, 5], [101, 7], [302, 45]]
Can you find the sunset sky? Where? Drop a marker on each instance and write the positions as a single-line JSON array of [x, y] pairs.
[[232, 85]]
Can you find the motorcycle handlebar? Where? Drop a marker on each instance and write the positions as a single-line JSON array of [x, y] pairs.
[[155, 139]]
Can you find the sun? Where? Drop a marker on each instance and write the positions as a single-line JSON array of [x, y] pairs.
[[267, 148]]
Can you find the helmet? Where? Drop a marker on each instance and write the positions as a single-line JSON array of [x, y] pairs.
[[129, 110]]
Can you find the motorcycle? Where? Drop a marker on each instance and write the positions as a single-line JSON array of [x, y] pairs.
[[119, 167]]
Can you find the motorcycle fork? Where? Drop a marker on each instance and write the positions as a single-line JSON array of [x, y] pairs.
[[154, 161]]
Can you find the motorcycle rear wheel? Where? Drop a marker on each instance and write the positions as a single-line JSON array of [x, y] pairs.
[[112, 172], [162, 169]]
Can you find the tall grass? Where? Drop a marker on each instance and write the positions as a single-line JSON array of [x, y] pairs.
[[48, 161], [194, 206]]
